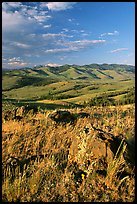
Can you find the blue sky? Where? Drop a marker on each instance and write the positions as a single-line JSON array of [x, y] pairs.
[[57, 33]]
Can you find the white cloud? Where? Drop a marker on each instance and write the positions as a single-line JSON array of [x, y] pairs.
[[4, 59], [16, 61], [110, 33], [14, 4], [11, 21], [32, 35], [75, 31], [65, 29], [8, 5], [25, 15], [58, 6], [43, 13], [84, 34], [84, 43], [118, 50], [47, 26], [53, 65], [40, 18], [57, 50], [21, 45], [75, 45], [32, 12], [70, 20], [18, 30], [114, 33], [53, 35]]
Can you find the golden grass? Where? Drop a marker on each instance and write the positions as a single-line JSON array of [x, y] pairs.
[[68, 149]]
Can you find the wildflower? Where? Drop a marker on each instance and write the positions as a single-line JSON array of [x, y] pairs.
[[83, 176]]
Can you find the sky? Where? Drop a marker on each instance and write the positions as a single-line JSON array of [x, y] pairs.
[[58, 33]]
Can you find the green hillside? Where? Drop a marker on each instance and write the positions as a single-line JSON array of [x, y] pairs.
[[69, 83]]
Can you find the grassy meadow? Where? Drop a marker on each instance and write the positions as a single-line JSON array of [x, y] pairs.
[[44, 160]]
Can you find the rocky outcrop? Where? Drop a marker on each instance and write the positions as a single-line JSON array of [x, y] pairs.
[[116, 143]]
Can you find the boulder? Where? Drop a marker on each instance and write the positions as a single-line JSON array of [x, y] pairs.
[[60, 116]]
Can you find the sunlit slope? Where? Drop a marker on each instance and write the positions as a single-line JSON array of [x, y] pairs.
[[71, 83]]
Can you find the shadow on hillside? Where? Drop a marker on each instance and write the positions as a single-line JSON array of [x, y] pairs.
[[48, 106]]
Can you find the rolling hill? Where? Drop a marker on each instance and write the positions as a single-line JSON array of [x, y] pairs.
[[69, 83]]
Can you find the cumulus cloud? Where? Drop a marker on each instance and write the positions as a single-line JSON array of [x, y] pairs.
[[17, 15], [58, 6], [118, 50], [11, 21], [24, 30], [19, 23]]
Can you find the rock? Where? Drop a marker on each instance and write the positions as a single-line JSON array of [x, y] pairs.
[[129, 154], [118, 142], [60, 116]]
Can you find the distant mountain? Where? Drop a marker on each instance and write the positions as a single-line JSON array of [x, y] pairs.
[[116, 67]]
